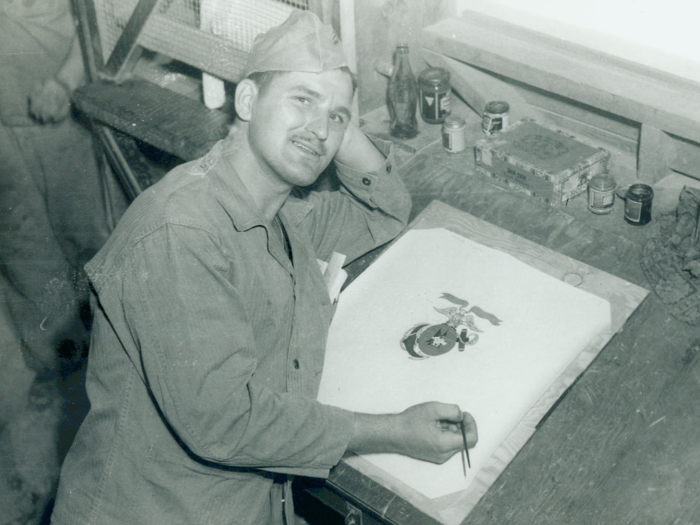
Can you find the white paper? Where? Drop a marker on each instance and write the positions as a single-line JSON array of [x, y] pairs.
[[544, 325]]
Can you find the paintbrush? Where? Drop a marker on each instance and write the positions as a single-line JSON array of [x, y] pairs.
[[466, 448]]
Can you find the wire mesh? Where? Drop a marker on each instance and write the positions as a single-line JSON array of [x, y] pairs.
[[213, 35]]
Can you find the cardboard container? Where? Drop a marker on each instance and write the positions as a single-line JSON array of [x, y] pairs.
[[543, 163]]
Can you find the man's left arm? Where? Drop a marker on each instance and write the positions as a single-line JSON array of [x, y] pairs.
[[372, 206]]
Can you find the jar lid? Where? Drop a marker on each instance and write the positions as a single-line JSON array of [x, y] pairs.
[[454, 123], [434, 76], [603, 183], [497, 107], [640, 192]]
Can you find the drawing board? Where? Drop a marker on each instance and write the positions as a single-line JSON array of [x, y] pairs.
[[442, 317]]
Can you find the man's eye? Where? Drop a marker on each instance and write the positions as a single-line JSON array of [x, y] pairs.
[[337, 118], [302, 100]]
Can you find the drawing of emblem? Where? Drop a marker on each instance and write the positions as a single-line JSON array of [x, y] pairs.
[[426, 340]]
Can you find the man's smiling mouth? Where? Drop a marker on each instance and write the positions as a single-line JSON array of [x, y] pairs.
[[306, 148]]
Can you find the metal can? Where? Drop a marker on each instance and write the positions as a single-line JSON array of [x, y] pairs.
[[454, 139], [495, 117], [638, 204], [435, 94], [601, 194]]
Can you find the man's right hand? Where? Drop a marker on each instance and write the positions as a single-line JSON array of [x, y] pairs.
[[429, 431]]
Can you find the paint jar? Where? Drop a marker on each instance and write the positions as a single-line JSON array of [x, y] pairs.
[[495, 117], [454, 137], [601, 194], [435, 94], [638, 200]]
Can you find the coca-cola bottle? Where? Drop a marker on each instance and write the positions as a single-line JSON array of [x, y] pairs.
[[402, 96]]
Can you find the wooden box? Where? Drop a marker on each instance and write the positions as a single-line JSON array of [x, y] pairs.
[[541, 162]]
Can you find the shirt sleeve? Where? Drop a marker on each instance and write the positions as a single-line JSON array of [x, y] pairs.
[[198, 355], [369, 210]]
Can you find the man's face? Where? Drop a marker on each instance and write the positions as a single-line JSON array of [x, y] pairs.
[[298, 123]]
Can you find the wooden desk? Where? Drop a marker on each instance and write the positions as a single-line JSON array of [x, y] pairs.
[[621, 446]]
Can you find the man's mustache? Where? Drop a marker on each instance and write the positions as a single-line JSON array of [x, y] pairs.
[[312, 143]]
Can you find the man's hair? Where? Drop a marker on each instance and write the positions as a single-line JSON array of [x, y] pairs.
[[263, 79]]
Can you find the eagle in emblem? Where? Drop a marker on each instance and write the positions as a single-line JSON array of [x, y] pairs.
[[426, 340]]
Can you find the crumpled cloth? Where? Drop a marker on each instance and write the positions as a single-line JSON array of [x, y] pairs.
[[671, 261]]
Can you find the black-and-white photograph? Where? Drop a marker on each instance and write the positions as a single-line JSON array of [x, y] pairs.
[[349, 262]]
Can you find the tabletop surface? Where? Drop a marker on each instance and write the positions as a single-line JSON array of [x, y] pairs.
[[621, 445]]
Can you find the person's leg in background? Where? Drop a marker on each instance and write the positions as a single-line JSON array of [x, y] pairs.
[[30, 412], [52, 221]]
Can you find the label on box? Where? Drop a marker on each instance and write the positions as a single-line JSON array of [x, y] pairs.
[[521, 177]]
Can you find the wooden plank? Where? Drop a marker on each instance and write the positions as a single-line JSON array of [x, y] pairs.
[[655, 154], [157, 116], [636, 93], [127, 161], [687, 157], [90, 43], [127, 44], [346, 15], [121, 167], [617, 128], [326, 11], [222, 58]]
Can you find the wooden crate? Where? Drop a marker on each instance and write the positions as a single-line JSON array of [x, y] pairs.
[[541, 162]]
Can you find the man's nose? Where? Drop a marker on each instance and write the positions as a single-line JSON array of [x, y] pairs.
[[318, 125]]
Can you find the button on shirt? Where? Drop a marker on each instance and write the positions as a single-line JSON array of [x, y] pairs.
[[208, 346]]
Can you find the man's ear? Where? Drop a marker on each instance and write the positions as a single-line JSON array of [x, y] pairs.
[[246, 93]]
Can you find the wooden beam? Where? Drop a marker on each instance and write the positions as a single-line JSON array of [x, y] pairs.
[[127, 44], [346, 19], [664, 101], [89, 35], [223, 59], [129, 180], [655, 154], [167, 120], [686, 159], [328, 11]]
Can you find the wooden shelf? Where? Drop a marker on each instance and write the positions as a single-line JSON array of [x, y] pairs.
[[642, 94], [167, 120]]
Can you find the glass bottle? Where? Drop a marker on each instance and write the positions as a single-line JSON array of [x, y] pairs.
[[402, 96]]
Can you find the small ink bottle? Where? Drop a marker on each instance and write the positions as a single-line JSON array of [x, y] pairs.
[[601, 194], [435, 94], [454, 139], [638, 204]]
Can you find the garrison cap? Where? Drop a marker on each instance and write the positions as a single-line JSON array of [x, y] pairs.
[[301, 43]]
